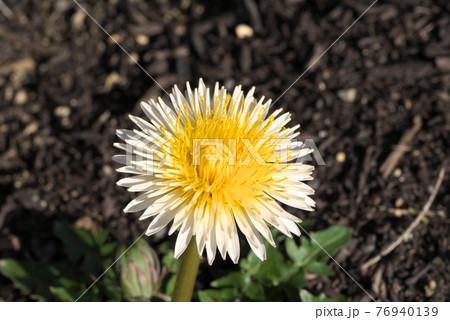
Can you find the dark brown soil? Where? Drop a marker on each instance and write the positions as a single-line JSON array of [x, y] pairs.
[[66, 87]]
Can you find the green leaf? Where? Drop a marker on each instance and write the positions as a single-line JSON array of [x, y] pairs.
[[255, 291], [170, 262], [306, 296], [298, 280], [29, 277], [299, 253], [101, 236], [76, 242], [233, 279], [171, 285], [326, 241], [80, 244], [292, 249], [62, 294], [319, 268], [275, 269], [222, 295], [307, 223], [251, 263], [107, 250]]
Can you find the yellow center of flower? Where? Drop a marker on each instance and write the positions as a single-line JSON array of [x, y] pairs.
[[222, 158]]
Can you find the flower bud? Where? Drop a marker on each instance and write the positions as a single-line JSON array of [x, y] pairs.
[[140, 271]]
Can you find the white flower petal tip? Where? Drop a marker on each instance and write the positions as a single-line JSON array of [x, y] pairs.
[[211, 162]]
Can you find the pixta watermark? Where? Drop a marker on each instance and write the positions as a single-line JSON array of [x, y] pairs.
[[151, 155]]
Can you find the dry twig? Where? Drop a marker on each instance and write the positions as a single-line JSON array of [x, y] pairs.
[[414, 224], [392, 160], [7, 12]]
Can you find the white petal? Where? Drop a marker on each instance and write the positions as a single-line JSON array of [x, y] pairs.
[[233, 245], [131, 181], [184, 237], [160, 222], [261, 226], [221, 239], [144, 125], [129, 169], [138, 204], [211, 243], [252, 235]]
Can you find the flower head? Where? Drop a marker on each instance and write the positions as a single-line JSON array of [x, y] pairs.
[[213, 162]]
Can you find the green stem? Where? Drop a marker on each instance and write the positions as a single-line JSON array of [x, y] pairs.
[[184, 285]]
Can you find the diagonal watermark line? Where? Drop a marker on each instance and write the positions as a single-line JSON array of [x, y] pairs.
[[323, 53], [99, 277], [129, 55], [348, 274]]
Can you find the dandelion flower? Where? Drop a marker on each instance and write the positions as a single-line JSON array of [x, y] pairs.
[[212, 163]]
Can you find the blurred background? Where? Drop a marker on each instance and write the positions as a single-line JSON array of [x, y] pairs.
[[377, 105]]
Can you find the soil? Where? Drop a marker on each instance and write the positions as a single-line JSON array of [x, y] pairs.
[[66, 87]]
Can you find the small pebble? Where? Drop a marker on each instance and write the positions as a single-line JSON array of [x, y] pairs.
[[443, 63], [340, 157], [74, 193], [323, 134], [142, 39], [433, 285], [133, 58], [322, 86], [347, 95], [316, 116], [117, 38], [243, 31], [77, 20], [408, 104], [62, 111], [112, 79], [107, 170], [31, 128], [398, 172], [429, 289], [399, 202], [9, 93], [21, 97]]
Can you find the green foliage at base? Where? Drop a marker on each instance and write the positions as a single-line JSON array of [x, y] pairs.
[[284, 273], [86, 257], [139, 275]]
